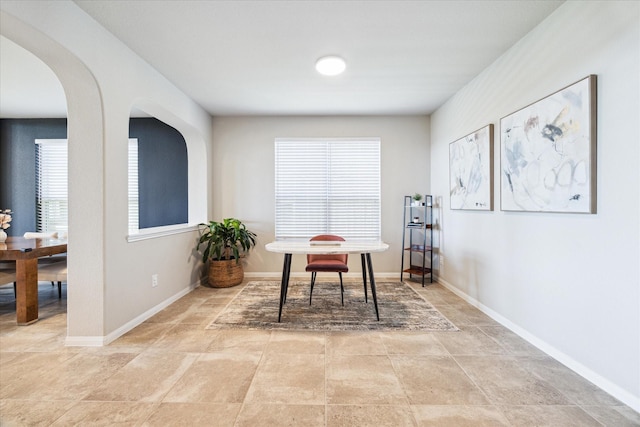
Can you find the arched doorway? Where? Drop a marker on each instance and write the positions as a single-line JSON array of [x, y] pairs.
[[85, 304]]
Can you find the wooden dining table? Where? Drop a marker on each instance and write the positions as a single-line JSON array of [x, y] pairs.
[[25, 252]]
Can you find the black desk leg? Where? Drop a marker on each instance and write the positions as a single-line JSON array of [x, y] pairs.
[[373, 285], [364, 276], [284, 284]]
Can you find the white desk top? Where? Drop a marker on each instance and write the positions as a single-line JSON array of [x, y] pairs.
[[292, 247]]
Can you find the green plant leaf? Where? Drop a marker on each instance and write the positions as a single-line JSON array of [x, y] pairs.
[[226, 239]]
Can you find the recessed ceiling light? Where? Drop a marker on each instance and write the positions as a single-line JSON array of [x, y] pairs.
[[330, 65]]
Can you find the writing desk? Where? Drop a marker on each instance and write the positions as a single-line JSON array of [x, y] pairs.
[[365, 249], [25, 252]]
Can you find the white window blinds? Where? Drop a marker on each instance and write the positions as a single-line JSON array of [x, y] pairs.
[[133, 185], [327, 186], [51, 185]]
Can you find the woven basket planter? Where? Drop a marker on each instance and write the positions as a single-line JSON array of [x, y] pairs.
[[225, 273]]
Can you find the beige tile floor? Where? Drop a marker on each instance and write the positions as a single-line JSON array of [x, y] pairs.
[[171, 371]]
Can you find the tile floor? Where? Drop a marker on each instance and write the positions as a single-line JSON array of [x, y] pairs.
[[171, 371]]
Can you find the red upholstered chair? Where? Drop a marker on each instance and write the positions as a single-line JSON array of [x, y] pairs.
[[327, 263]]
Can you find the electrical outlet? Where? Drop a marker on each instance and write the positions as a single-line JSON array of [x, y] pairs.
[[154, 280]]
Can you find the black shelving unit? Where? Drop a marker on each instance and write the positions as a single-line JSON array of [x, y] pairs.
[[417, 238]]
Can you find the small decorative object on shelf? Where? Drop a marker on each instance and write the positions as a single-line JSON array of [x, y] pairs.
[[417, 237], [5, 220]]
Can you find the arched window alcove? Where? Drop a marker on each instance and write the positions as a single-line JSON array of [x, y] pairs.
[[165, 157], [158, 175]]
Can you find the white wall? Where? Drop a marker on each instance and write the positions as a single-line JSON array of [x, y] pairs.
[[243, 167], [110, 279], [569, 283]]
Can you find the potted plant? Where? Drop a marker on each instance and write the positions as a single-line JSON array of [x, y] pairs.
[[224, 244], [416, 199]]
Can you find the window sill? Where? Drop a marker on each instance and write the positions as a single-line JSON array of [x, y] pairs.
[[157, 232]]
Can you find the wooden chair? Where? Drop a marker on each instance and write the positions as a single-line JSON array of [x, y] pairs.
[[327, 263]]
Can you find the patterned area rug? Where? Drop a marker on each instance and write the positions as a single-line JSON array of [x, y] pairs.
[[400, 307]]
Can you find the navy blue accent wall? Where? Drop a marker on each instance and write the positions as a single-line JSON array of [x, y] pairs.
[[18, 167], [162, 170], [162, 173]]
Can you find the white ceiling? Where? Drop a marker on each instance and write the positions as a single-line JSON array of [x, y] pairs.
[[257, 57]]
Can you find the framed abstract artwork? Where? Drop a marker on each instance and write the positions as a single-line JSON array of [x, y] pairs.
[[471, 171], [548, 153]]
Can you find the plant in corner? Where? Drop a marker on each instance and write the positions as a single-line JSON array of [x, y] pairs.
[[224, 244], [416, 199]]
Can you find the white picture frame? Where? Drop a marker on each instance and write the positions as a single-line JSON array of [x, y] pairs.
[[471, 171], [548, 153]]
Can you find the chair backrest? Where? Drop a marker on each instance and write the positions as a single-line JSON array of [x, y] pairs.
[[53, 272], [326, 238]]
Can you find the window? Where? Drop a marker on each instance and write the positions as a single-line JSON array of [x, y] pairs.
[[133, 185], [52, 209], [327, 186]]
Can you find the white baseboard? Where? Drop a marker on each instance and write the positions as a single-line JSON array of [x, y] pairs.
[[597, 379], [99, 341]]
